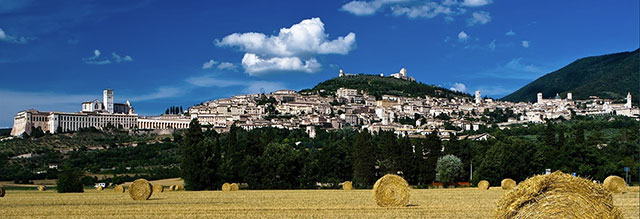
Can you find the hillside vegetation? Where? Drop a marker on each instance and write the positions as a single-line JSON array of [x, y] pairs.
[[378, 86], [607, 76]]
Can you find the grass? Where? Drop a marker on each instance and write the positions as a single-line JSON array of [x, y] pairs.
[[432, 203]]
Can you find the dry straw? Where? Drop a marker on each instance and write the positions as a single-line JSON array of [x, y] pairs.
[[179, 187], [557, 195], [226, 187], [172, 188], [99, 188], [42, 188], [483, 185], [347, 185], [235, 187], [508, 184], [140, 189], [615, 184], [391, 191], [2, 192], [119, 189], [157, 188]]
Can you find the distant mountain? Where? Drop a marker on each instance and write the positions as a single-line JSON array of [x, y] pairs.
[[378, 86], [606, 76]]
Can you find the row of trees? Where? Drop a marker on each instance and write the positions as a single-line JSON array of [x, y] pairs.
[[174, 110], [269, 158]]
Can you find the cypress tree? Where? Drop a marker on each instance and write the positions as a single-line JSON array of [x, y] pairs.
[[363, 161]]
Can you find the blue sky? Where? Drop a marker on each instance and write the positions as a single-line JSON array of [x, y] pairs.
[[56, 54]]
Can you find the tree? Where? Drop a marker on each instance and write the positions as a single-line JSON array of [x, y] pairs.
[[69, 179], [448, 169], [198, 163], [363, 160]]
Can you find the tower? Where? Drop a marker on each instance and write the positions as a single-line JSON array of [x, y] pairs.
[[107, 100], [569, 96], [540, 98], [341, 73], [628, 105], [403, 72], [478, 97]]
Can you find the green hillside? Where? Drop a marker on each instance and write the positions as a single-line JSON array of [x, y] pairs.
[[607, 76], [378, 86]]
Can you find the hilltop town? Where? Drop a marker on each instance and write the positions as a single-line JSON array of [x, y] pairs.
[[414, 116]]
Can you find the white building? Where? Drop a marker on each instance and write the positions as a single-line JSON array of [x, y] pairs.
[[402, 75], [478, 97]]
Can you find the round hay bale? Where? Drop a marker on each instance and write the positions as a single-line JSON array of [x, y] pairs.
[[119, 189], [180, 187], [158, 188], [615, 184], [42, 188], [235, 187], [557, 195], [483, 185], [508, 184], [391, 191], [172, 188], [140, 189], [226, 187], [99, 188], [347, 185], [2, 192]]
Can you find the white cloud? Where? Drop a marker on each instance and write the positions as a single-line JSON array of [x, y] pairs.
[[492, 45], [305, 38], [95, 59], [118, 58], [209, 64], [425, 10], [510, 33], [254, 65], [480, 17], [413, 8], [293, 49], [459, 87], [13, 39], [361, 8], [462, 36], [476, 3], [227, 66], [525, 44]]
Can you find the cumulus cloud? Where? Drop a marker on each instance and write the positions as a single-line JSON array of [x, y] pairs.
[[462, 36], [13, 39], [254, 65], [480, 17], [525, 44], [413, 8], [476, 3], [460, 87], [209, 64], [510, 33], [96, 60], [293, 49], [305, 38]]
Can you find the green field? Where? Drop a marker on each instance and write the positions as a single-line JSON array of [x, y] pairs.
[[431, 203]]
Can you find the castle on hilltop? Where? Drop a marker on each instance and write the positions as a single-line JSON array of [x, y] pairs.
[[400, 75]]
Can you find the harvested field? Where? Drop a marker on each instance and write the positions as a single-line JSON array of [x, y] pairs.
[[432, 203]]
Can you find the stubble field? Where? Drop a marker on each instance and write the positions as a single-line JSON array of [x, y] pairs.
[[431, 203]]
